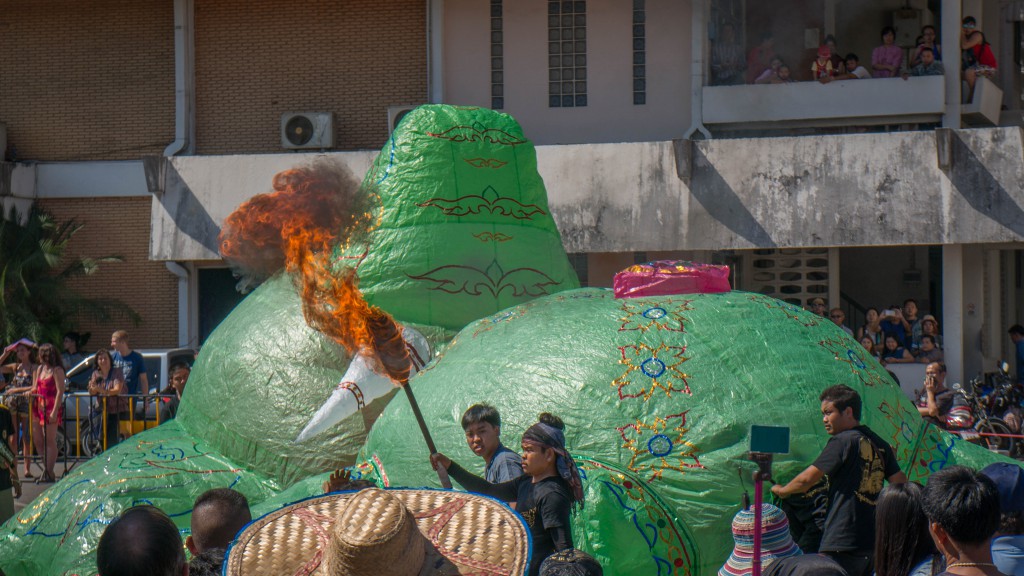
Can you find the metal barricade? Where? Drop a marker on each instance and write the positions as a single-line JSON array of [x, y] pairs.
[[87, 426]]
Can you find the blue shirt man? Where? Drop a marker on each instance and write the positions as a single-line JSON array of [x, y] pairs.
[[130, 363], [505, 465], [482, 425]]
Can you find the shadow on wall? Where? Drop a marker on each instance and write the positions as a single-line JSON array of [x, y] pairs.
[[723, 204], [982, 190], [188, 212]]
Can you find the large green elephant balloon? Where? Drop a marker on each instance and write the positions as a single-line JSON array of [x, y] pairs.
[[658, 395], [658, 392], [461, 230]]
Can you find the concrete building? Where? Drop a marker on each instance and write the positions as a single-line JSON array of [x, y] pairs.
[[865, 192]]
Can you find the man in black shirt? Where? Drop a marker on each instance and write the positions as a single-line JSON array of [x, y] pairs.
[[857, 462]]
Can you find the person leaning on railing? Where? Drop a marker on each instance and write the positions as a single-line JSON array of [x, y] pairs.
[[179, 377], [107, 382]]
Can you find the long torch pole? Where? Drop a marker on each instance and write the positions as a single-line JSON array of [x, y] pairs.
[[758, 499], [442, 474]]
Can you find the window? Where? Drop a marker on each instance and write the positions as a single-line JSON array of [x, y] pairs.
[[497, 57], [579, 263], [639, 53], [567, 53]]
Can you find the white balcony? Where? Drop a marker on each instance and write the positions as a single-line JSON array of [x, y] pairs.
[[812, 104]]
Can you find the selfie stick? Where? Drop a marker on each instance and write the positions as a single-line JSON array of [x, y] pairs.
[[761, 475]]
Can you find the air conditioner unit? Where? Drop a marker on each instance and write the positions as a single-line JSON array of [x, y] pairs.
[[396, 113], [307, 130]]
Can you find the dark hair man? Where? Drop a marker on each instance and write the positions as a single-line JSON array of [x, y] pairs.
[[963, 513], [936, 400], [857, 462], [178, 373], [142, 541], [217, 516], [482, 425]]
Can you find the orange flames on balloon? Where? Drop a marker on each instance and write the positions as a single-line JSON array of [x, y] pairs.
[[297, 227]]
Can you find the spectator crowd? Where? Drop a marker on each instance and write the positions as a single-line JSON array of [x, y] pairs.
[[33, 387], [895, 335], [731, 64], [869, 520]]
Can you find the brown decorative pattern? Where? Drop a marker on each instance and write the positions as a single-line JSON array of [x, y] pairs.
[[488, 200], [457, 279], [485, 162]]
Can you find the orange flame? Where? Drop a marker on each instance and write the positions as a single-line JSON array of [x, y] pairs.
[[295, 228], [309, 209], [334, 306]]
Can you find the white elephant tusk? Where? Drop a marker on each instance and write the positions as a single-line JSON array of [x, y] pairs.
[[361, 385]]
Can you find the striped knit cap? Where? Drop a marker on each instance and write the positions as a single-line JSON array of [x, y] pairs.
[[776, 542]]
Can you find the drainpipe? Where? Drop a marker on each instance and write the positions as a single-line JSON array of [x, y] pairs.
[[184, 79], [698, 30], [183, 305], [435, 51]]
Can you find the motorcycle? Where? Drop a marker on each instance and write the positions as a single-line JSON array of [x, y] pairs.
[[975, 423]]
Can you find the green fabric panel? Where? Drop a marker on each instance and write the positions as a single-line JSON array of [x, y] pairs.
[[165, 467], [464, 225], [258, 380], [463, 231], [721, 362]]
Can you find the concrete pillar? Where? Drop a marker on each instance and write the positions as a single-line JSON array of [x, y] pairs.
[[974, 308], [830, 16], [953, 310], [435, 51], [834, 287], [951, 56]]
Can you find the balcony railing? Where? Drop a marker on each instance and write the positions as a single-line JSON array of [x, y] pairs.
[[812, 104]]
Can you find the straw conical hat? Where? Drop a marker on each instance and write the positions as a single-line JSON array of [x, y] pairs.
[[385, 533]]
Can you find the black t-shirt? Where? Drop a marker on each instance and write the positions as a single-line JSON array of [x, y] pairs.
[[856, 462], [545, 505], [806, 514], [805, 565], [6, 431]]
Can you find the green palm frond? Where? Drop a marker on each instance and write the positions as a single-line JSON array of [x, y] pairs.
[[35, 298]]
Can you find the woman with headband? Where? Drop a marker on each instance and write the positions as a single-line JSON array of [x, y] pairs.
[[544, 495]]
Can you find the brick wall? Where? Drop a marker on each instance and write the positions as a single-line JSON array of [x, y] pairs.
[[121, 226], [256, 59], [87, 79]]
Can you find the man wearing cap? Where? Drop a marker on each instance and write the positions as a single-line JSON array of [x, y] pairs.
[[857, 463], [929, 326], [1008, 544]]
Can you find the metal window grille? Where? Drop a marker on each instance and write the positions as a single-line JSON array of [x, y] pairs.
[[497, 57], [639, 53], [792, 274], [567, 53]]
